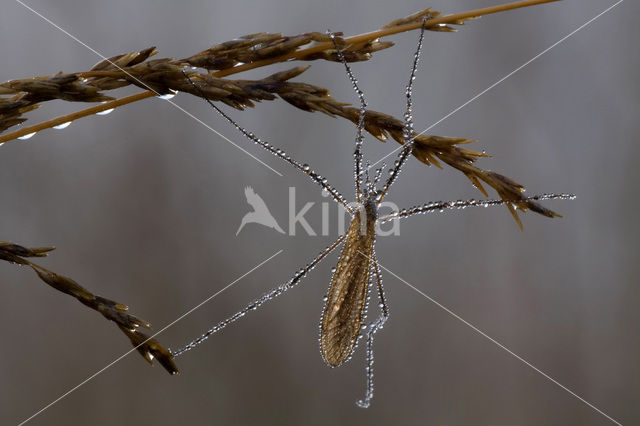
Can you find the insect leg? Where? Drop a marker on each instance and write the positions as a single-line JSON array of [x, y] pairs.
[[372, 328], [357, 155], [407, 133], [438, 206], [305, 168], [259, 302]]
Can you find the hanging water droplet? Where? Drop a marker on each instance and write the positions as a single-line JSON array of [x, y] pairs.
[[306, 167], [105, 112], [62, 126], [168, 96], [28, 136], [1, 143]]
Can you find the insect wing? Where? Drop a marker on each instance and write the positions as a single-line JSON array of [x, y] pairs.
[[347, 297]]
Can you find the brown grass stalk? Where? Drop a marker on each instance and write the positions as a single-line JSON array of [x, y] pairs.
[[358, 39], [148, 347]]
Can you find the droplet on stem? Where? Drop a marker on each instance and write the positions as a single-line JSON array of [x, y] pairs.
[[168, 96], [27, 136], [62, 126]]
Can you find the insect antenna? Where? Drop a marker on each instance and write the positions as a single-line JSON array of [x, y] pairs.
[[305, 168], [357, 155], [407, 132]]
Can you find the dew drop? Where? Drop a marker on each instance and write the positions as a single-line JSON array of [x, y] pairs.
[[62, 126], [28, 136], [168, 96], [105, 112], [306, 167]]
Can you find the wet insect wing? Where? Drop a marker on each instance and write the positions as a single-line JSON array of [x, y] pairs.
[[346, 301]]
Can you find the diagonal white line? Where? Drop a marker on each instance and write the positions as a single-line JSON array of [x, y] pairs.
[[149, 88], [501, 346], [154, 335], [504, 78]]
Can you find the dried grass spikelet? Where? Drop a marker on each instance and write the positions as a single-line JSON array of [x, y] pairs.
[[166, 75], [155, 75], [427, 13], [247, 52], [111, 310], [429, 149]]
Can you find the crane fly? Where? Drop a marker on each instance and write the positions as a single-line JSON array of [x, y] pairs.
[[345, 308]]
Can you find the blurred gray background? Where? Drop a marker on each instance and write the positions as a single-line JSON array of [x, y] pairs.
[[144, 204]]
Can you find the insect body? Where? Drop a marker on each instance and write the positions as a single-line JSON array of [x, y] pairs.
[[345, 306]]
